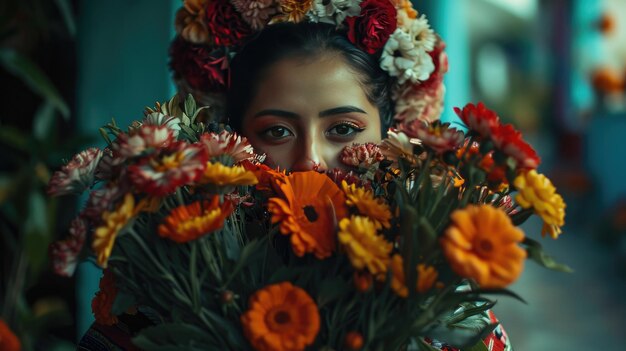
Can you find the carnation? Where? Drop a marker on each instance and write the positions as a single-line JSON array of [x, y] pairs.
[[77, 175], [402, 59], [64, 253], [371, 29], [333, 11], [226, 143], [256, 13], [199, 66], [225, 23], [361, 155]]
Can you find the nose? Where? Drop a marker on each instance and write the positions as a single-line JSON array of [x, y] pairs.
[[309, 157]]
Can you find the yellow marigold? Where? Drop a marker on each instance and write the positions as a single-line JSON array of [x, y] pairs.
[[374, 208], [103, 301], [426, 277], [536, 191], [220, 175], [8, 340], [281, 317], [365, 248], [105, 235], [481, 243], [186, 223]]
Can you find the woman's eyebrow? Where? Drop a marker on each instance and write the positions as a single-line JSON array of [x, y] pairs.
[[277, 113], [340, 110]]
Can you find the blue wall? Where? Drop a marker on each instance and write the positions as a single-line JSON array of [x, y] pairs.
[[122, 67]]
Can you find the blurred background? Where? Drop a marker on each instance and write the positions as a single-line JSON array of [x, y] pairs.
[[554, 68]]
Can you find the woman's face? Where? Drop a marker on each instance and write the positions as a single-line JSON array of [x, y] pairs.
[[306, 111]]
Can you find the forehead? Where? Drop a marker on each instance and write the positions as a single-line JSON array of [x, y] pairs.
[[325, 81]]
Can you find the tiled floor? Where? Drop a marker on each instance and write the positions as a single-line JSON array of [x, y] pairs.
[[582, 311]]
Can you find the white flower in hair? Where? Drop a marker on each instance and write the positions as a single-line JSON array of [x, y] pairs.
[[333, 11], [402, 59], [421, 33]]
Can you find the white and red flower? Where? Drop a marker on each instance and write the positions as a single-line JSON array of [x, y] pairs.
[[77, 175], [145, 138], [226, 143], [437, 136], [64, 253], [162, 173], [160, 119], [103, 199], [361, 155]]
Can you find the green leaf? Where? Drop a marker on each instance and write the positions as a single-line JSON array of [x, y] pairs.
[[36, 228], [331, 290], [536, 253], [22, 67], [65, 7], [174, 337], [190, 105], [42, 124]]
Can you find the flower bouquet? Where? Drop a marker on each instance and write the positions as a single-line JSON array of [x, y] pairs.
[[223, 252]]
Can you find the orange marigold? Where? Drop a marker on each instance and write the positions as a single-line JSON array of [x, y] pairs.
[[308, 210], [281, 317], [374, 208], [8, 340], [189, 222], [103, 301], [482, 243]]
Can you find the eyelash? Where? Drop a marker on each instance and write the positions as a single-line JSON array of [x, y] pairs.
[[357, 128]]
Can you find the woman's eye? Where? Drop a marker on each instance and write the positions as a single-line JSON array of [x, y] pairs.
[[345, 130], [277, 132]]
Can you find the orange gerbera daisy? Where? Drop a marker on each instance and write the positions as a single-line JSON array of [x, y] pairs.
[[374, 208], [482, 243], [309, 208], [113, 222], [186, 223], [103, 301], [220, 175], [281, 317], [8, 340]]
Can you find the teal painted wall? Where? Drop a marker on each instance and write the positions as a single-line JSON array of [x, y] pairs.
[[122, 67]]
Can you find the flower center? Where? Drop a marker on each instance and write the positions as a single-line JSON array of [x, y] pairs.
[[282, 317], [168, 162], [310, 213], [485, 247]]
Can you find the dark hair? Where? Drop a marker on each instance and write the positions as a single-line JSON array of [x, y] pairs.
[[304, 39]]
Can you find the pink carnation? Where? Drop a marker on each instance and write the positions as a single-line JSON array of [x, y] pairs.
[[226, 143], [361, 155], [436, 136]]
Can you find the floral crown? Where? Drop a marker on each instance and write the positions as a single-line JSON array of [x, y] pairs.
[[210, 32]]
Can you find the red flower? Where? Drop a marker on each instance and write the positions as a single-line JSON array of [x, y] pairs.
[[162, 173], [103, 301], [370, 30], [141, 140], [198, 65], [478, 118], [225, 23], [361, 155], [440, 59], [8, 340], [509, 141]]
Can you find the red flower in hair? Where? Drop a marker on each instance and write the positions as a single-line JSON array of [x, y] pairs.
[[440, 59], [478, 118], [370, 30], [198, 65], [225, 23], [509, 140]]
